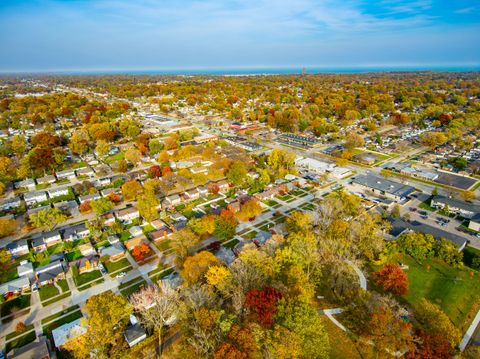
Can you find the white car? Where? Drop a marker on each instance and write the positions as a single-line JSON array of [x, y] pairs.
[[121, 275]]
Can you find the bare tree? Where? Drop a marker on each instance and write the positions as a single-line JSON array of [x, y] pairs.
[[157, 306]]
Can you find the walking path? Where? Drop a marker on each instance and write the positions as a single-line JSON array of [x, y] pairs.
[[470, 331]]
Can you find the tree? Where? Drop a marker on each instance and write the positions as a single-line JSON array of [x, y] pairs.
[[20, 327], [392, 279], [435, 322], [395, 211], [147, 206], [433, 139], [102, 148], [240, 343], [133, 155], [101, 205], [237, 173], [107, 316], [122, 166], [282, 162], [7, 227], [155, 146], [467, 195], [47, 218], [249, 210], [131, 190], [263, 304], [155, 171], [303, 320], [141, 251], [19, 145], [79, 142], [182, 241], [195, 267], [7, 169], [225, 225], [218, 277], [157, 306], [298, 222], [354, 141], [202, 226], [85, 206]]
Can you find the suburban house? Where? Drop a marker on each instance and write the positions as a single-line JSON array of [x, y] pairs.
[[10, 203], [32, 198], [38, 245], [384, 187], [475, 223], [225, 255], [87, 264], [67, 174], [178, 217], [265, 195], [132, 243], [311, 164], [87, 249], [192, 194], [89, 197], [57, 192], [26, 183], [68, 207], [16, 286], [38, 349], [158, 224], [25, 269], [173, 200], [134, 332], [366, 158], [76, 232], [128, 214], [52, 238], [18, 248], [160, 234], [112, 239], [86, 171], [115, 252], [197, 170], [108, 218], [203, 191], [49, 179], [50, 273], [223, 186], [68, 331], [461, 208], [136, 231], [105, 192], [104, 181]]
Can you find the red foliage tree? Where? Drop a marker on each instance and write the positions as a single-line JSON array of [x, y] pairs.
[[392, 279], [263, 304], [213, 188], [115, 198], [85, 207], [240, 344], [431, 347], [45, 139], [166, 170], [155, 171], [140, 251]]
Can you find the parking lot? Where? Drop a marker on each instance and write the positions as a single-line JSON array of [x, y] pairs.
[[453, 180]]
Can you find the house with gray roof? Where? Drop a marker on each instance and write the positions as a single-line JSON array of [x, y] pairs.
[[461, 208], [383, 187]]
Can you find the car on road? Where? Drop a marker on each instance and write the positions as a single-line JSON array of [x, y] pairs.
[[102, 268], [121, 275], [412, 209]]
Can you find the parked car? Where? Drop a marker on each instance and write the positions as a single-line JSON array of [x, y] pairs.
[[121, 275], [102, 269]]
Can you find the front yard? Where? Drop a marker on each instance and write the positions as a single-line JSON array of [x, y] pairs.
[[15, 305], [84, 278], [116, 266]]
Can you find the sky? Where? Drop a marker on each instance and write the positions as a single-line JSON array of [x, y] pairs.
[[110, 35]]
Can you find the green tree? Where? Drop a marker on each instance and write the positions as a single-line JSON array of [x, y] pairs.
[[47, 218], [147, 206], [237, 173], [101, 205]]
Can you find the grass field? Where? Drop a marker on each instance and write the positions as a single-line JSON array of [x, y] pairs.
[[453, 289], [84, 278], [16, 304], [132, 289], [117, 265], [21, 341], [14, 334]]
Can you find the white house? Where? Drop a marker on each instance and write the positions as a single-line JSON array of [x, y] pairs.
[[67, 332], [67, 174], [18, 248], [173, 200], [26, 183], [49, 179], [32, 198], [52, 238], [57, 192], [128, 214]]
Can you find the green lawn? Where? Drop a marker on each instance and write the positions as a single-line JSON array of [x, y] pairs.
[[84, 278], [232, 243], [47, 291], [21, 341], [469, 253], [14, 334], [47, 329], [73, 256], [117, 157], [16, 304], [426, 205], [117, 265], [451, 288], [127, 291], [163, 245]]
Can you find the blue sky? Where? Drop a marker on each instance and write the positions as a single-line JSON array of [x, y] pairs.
[[49, 35]]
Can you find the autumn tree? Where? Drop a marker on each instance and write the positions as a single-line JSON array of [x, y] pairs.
[[102, 148], [202, 226], [182, 241], [107, 316], [47, 218], [101, 205], [353, 141], [141, 251], [7, 227], [263, 304], [433, 139], [249, 210], [391, 278], [237, 173], [240, 343], [195, 267], [282, 162], [79, 142], [133, 155], [7, 168], [225, 225], [147, 206], [155, 171], [157, 306], [131, 190], [435, 322]]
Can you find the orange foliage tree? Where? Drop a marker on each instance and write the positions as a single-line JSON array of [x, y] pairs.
[[392, 279]]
